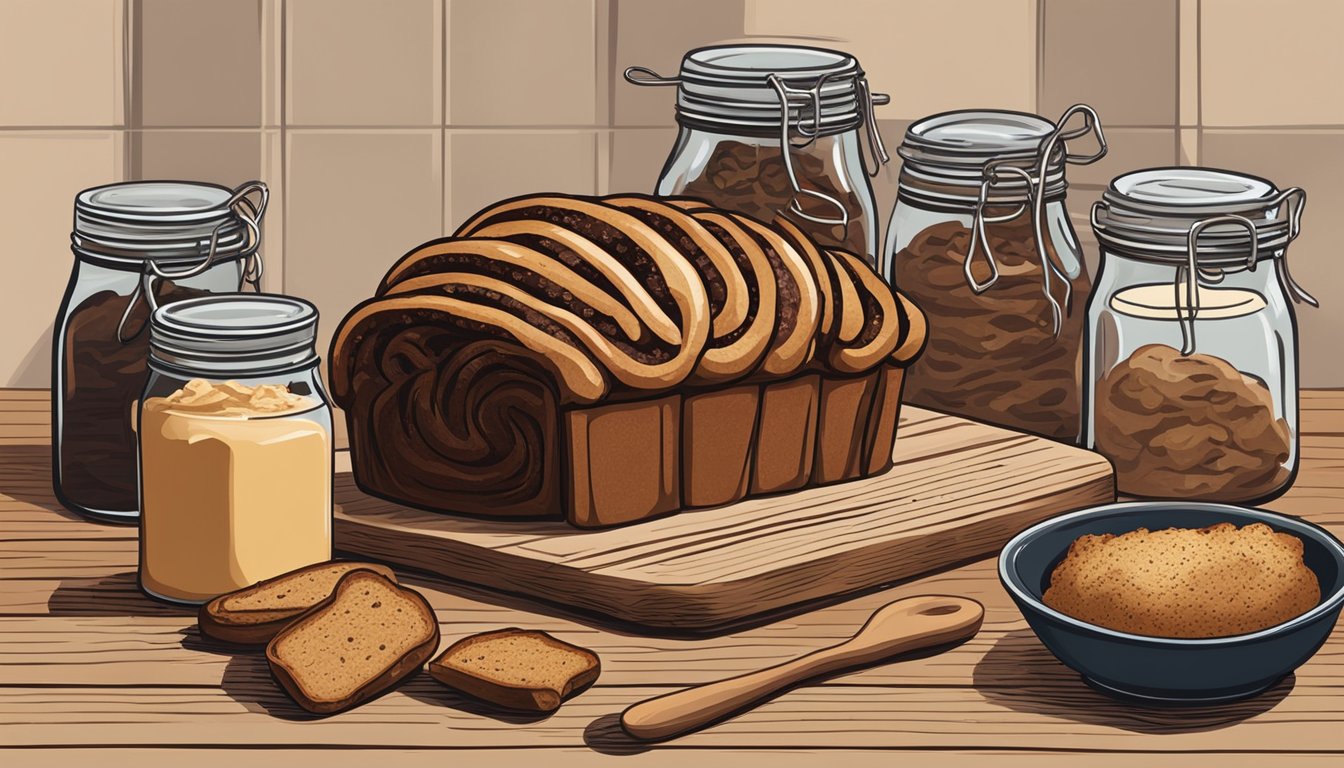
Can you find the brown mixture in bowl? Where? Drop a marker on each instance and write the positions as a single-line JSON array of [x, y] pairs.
[[1186, 583]]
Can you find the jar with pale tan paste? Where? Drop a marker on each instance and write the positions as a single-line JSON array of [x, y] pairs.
[[235, 447]]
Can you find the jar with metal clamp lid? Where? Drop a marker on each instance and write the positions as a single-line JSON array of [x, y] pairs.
[[1192, 343], [137, 245], [775, 129], [981, 239]]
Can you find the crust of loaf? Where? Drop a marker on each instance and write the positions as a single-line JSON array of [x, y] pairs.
[[786, 435], [880, 439], [514, 696], [624, 462], [843, 411], [218, 620], [718, 439]]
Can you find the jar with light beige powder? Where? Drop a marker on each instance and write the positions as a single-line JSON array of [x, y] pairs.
[[235, 446]]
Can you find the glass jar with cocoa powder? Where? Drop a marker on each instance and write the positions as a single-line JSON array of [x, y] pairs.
[[981, 240], [235, 446], [137, 245], [777, 129], [1192, 346]]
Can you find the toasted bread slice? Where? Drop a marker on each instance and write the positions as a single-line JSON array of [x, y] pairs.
[[517, 668], [253, 615], [364, 638]]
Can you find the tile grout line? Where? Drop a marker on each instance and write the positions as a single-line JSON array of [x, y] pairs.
[[598, 60], [1040, 53], [571, 128], [445, 95], [604, 63], [898, 123], [283, 117], [127, 89], [1199, 82], [1180, 76], [613, 21]]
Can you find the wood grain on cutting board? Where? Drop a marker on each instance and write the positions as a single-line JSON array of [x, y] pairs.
[[959, 489]]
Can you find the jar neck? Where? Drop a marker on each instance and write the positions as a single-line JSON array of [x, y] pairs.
[[963, 195], [139, 265], [279, 365], [771, 141], [771, 128]]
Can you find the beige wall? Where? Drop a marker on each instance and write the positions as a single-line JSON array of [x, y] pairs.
[[383, 123]]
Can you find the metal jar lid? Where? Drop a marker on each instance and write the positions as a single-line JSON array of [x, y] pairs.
[[166, 222], [752, 89], [1150, 214], [949, 156], [233, 335]]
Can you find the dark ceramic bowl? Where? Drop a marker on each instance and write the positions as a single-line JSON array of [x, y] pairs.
[[1159, 670]]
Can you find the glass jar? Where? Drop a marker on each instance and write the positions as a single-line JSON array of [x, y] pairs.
[[774, 129], [235, 446], [981, 240], [1192, 343], [137, 245]]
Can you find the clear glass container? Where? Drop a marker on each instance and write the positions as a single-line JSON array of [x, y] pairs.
[[1192, 346], [137, 245], [980, 238], [772, 130], [235, 446]]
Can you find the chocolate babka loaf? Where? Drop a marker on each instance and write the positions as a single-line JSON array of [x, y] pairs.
[[610, 360]]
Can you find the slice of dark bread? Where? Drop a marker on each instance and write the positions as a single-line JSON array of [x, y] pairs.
[[364, 638], [517, 668], [253, 615]]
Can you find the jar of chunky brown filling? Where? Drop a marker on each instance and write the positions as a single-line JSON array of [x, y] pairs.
[[980, 238]]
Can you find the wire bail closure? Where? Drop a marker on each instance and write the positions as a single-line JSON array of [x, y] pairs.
[[1050, 150], [240, 203], [650, 77], [1294, 290], [789, 96], [1190, 273]]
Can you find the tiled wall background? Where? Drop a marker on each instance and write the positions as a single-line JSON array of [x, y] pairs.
[[383, 123]]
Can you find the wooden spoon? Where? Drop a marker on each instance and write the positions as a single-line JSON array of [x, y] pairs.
[[906, 625]]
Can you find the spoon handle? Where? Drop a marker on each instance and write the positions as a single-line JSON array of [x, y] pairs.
[[900, 627]]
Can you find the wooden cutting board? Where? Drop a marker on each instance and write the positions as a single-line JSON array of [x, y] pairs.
[[959, 490]]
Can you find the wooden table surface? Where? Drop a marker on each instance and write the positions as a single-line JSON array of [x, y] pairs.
[[88, 663]]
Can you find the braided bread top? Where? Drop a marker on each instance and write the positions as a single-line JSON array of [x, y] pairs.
[[639, 293]]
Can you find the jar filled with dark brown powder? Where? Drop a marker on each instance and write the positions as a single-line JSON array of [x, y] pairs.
[[981, 239], [771, 130], [137, 246]]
